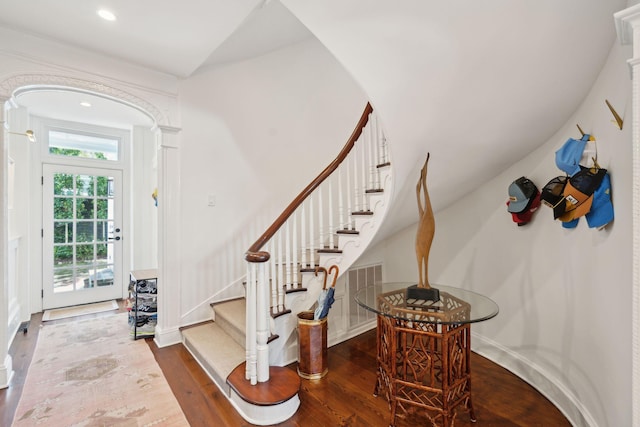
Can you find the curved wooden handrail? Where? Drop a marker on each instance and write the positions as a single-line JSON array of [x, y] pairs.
[[254, 254]]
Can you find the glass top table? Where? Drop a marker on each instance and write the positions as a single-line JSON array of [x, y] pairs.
[[455, 305], [423, 346]]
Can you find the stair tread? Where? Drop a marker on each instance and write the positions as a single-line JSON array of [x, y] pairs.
[[233, 311], [219, 350]]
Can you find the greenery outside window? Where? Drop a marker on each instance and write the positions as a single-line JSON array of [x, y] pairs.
[[70, 144]]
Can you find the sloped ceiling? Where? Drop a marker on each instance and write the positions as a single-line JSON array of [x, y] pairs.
[[478, 84], [164, 35]]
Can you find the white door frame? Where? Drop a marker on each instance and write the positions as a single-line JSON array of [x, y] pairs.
[[42, 127]]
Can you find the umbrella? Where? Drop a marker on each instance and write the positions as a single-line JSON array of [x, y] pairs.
[[323, 294], [328, 298]]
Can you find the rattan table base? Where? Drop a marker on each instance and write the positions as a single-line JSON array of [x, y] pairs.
[[424, 366]]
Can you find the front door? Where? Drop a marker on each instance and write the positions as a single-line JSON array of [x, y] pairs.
[[82, 235]]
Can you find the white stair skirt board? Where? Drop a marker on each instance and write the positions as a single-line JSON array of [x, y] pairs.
[[79, 310]]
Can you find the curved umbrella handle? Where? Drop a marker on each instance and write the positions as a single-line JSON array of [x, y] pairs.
[[335, 278], [324, 284]]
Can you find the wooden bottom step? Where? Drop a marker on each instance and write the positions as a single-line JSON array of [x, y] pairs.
[[283, 384]]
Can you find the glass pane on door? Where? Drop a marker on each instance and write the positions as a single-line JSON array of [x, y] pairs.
[[82, 210]]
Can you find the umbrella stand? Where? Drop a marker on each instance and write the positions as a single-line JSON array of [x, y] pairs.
[[312, 331], [312, 346]]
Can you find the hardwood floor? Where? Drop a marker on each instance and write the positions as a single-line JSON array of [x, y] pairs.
[[343, 398]]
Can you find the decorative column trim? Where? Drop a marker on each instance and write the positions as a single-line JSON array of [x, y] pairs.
[[168, 142], [169, 254], [628, 29], [6, 367]]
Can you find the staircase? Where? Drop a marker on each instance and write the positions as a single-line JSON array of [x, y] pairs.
[[249, 341]]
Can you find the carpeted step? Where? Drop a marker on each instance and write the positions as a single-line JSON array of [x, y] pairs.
[[231, 316], [216, 351]]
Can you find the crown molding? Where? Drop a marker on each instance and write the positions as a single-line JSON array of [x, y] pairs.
[[16, 84], [626, 20]]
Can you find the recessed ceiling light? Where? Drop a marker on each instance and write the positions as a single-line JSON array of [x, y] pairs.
[[106, 15], [85, 104]]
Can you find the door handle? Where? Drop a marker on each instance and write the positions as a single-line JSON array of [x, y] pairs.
[[114, 238]]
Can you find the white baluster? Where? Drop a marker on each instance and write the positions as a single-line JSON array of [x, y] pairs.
[[281, 281], [277, 280], [356, 177], [342, 218], [303, 235], [349, 192], [287, 253], [275, 295], [262, 327], [376, 152], [247, 344], [385, 147], [320, 219], [331, 231], [312, 234], [294, 264], [363, 174], [368, 156]]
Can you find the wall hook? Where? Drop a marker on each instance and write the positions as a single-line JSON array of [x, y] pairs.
[[591, 137], [615, 114]]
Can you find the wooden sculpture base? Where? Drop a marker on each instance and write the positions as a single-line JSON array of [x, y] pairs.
[[416, 292]]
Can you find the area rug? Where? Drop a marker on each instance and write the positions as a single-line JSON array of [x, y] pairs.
[[79, 310], [91, 373]]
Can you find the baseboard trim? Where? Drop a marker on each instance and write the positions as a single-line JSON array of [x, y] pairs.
[[165, 338], [540, 379], [6, 372]]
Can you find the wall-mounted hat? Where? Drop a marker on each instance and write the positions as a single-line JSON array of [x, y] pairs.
[[524, 217], [521, 192], [578, 193], [601, 212], [552, 195], [569, 155]]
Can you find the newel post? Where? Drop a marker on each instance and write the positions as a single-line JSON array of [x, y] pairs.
[[257, 320]]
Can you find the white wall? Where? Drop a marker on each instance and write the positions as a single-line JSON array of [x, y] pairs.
[[254, 133], [144, 212], [19, 230], [564, 295]]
